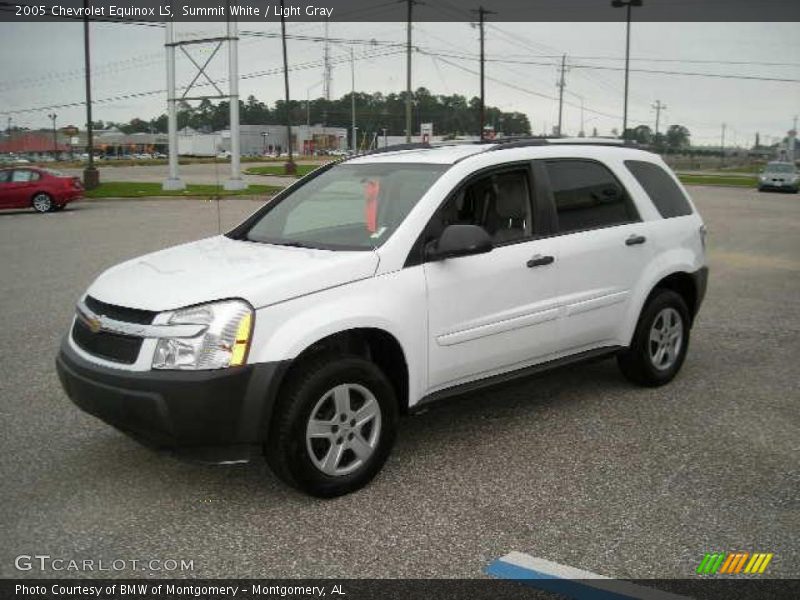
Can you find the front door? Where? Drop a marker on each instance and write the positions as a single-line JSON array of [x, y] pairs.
[[493, 312]]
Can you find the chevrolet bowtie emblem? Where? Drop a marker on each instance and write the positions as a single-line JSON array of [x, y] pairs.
[[94, 324]]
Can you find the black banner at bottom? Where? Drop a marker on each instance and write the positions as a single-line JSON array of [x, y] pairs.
[[389, 589]]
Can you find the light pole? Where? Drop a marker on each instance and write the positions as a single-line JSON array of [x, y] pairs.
[[265, 135], [53, 117], [628, 4]]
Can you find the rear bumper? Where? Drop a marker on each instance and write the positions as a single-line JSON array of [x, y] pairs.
[[211, 416], [70, 197]]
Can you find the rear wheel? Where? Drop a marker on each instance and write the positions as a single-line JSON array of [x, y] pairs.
[[334, 426], [42, 202], [660, 341]]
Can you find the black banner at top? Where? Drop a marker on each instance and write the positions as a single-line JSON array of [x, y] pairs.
[[397, 10]]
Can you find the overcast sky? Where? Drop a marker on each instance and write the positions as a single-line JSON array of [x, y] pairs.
[[42, 66]]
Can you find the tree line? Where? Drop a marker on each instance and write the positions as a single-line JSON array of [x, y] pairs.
[[450, 115]]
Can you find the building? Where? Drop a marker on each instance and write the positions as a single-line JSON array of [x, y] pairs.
[[258, 140]]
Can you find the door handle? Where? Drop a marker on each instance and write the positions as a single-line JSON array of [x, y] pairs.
[[539, 261], [635, 240]]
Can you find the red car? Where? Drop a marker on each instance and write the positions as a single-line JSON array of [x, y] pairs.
[[43, 189]]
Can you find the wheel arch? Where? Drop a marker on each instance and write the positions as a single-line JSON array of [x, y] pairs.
[[375, 344]]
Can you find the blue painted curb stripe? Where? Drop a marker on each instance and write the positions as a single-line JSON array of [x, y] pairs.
[[543, 581], [580, 589]]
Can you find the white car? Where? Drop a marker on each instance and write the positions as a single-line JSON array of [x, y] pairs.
[[381, 283]]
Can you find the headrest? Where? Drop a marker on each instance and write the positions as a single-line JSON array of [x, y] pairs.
[[511, 198]]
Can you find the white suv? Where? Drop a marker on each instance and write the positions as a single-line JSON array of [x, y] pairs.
[[381, 283]]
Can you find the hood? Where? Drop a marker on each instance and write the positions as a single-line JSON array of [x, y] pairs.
[[219, 267]]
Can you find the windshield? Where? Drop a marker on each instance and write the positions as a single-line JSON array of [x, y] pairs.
[[780, 168], [349, 206]]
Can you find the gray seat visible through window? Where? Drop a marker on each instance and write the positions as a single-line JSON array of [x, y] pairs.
[[509, 215]]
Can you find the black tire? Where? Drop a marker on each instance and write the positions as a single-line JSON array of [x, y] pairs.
[[42, 202], [637, 362], [287, 449]]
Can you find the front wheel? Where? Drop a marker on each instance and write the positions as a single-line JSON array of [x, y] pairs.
[[660, 341], [42, 202], [334, 426]]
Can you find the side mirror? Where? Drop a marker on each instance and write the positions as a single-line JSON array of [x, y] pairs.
[[459, 240]]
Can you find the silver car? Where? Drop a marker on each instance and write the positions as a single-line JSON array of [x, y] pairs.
[[781, 176]]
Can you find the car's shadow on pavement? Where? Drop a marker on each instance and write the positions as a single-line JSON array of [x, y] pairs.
[[424, 440]]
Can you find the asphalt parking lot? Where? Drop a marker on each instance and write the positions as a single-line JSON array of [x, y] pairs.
[[577, 466]]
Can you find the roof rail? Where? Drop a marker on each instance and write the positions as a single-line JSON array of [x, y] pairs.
[[395, 148]]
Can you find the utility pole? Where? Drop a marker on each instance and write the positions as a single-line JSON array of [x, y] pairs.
[[353, 98], [289, 168], [327, 78], [658, 106], [722, 147], [561, 84], [482, 12], [52, 117], [91, 177], [628, 4], [410, 4]]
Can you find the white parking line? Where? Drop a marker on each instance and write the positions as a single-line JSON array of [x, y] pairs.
[[569, 581]]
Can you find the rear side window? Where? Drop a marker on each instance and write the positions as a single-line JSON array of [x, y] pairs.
[[24, 176], [5, 176], [587, 196], [662, 189]]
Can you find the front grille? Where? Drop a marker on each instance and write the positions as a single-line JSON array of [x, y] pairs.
[[111, 346], [120, 313]]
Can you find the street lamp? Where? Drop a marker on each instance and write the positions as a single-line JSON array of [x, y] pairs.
[[53, 117], [628, 4], [265, 135]]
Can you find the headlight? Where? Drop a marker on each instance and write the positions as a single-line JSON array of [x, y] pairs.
[[223, 343]]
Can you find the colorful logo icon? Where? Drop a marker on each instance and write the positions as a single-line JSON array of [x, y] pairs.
[[734, 563]]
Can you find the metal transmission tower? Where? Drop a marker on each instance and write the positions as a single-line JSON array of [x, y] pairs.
[[561, 85], [174, 182]]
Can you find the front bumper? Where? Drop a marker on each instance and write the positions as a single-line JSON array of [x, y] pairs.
[[776, 186], [212, 416]]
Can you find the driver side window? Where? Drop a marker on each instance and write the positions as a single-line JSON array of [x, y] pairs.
[[498, 202]]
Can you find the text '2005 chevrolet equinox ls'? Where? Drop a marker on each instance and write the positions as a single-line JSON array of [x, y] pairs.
[[380, 283]]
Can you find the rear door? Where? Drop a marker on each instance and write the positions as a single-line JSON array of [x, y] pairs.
[[493, 312], [602, 248]]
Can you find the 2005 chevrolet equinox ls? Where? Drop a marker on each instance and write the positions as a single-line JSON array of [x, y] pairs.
[[380, 283]]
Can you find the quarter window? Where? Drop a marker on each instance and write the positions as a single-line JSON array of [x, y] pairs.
[[662, 189], [24, 176], [587, 196]]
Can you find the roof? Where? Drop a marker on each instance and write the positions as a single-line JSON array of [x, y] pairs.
[[453, 153], [30, 142]]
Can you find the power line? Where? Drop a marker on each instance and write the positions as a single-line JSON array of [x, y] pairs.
[[252, 75]]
